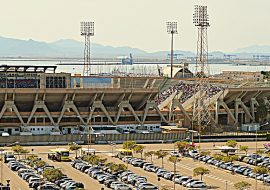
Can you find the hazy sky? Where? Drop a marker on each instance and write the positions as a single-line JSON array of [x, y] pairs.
[[138, 23]]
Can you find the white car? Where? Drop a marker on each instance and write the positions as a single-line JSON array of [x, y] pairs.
[[196, 184], [175, 153], [113, 184], [193, 153]]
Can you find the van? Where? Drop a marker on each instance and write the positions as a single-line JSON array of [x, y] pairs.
[[5, 134]]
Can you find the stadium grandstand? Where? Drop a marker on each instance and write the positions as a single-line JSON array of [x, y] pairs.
[[39, 100]]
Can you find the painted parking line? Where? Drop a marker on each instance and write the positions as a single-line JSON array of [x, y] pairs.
[[209, 175]]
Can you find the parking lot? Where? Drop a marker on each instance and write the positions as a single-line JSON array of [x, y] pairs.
[[218, 178]]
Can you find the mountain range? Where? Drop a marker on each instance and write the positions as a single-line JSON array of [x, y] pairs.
[[10, 47]]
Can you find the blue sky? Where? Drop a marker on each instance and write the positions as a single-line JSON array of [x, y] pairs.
[[138, 23]]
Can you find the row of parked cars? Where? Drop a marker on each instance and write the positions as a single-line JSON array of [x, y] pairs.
[[101, 174], [234, 168], [30, 175], [33, 175], [183, 180], [263, 161]]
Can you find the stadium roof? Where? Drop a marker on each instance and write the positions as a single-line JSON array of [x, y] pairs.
[[27, 68]]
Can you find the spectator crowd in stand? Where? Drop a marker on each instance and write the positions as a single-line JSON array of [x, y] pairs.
[[18, 83], [187, 89]]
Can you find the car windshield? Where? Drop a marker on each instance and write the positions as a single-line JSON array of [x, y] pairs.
[[65, 153]]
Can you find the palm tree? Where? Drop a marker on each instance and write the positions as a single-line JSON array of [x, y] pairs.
[[75, 147], [129, 145], [200, 171], [139, 149], [161, 155], [149, 154], [174, 160]]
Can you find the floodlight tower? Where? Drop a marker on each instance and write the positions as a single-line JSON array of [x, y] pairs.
[[172, 29], [87, 30], [201, 113]]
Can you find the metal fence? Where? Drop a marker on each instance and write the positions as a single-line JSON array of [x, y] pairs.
[[95, 139]]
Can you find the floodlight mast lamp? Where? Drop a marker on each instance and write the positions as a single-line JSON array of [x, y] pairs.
[[172, 29], [201, 113], [87, 30]]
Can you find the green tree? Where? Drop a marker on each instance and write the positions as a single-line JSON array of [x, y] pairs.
[[94, 159], [260, 152], [200, 171], [218, 157], [231, 143], [244, 149], [116, 167], [230, 158], [38, 163], [260, 170], [129, 145], [205, 153], [161, 155], [139, 149], [75, 147], [52, 174], [262, 111], [150, 154], [24, 152], [242, 185], [122, 167], [18, 149], [174, 160], [32, 157], [182, 146]]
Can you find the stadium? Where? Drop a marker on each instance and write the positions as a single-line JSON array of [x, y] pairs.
[[37, 100]]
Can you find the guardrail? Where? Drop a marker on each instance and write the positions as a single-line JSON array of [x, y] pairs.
[[96, 139]]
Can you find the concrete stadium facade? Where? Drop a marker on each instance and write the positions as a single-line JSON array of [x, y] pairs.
[[120, 101]]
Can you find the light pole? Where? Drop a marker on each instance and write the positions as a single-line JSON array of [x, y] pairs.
[[112, 145], [87, 30], [172, 29], [158, 179], [89, 140], [256, 149]]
